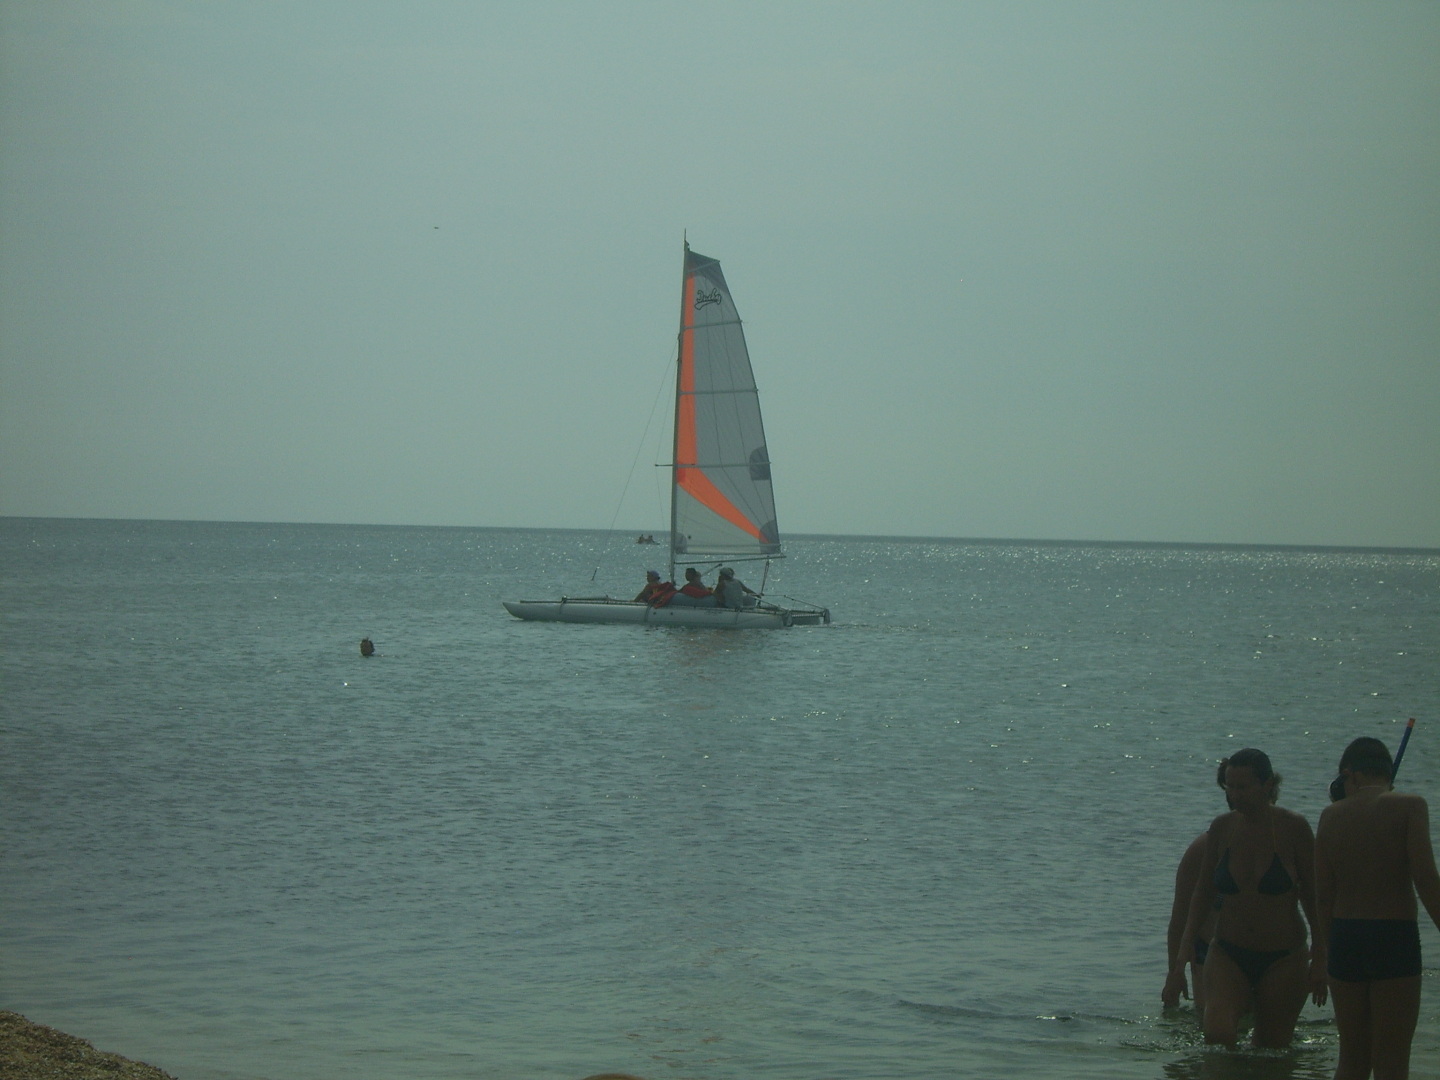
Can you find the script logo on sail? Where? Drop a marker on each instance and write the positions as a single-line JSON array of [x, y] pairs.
[[703, 298]]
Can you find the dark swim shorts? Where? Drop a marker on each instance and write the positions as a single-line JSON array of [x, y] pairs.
[[1362, 950]]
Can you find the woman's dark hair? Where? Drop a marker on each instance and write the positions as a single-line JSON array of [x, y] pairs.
[[1258, 762], [1220, 781], [1367, 755]]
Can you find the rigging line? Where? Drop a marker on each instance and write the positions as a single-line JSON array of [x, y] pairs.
[[644, 437], [797, 600]]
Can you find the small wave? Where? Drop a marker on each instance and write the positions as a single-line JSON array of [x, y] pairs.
[[971, 1013]]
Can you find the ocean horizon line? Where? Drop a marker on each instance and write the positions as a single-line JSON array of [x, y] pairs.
[[868, 537]]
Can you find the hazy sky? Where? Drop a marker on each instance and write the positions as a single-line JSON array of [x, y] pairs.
[[1122, 271]]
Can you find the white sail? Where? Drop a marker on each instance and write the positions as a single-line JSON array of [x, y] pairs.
[[723, 503]]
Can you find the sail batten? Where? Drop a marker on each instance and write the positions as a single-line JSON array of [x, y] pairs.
[[714, 464], [723, 504], [717, 322]]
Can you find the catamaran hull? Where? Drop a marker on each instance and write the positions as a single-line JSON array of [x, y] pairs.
[[625, 611]]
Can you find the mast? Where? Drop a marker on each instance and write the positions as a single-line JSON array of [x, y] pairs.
[[675, 434]]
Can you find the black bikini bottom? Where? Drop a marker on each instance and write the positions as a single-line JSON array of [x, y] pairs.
[[1252, 962]]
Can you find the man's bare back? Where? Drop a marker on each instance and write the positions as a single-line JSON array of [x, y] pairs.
[[1366, 841]]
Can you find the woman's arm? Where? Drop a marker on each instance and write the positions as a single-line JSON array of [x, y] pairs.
[[1304, 849]]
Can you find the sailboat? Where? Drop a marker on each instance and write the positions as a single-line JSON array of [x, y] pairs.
[[722, 507]]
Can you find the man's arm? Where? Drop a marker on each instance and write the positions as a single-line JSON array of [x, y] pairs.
[[1324, 871], [1421, 857]]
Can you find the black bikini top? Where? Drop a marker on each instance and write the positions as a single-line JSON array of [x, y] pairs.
[[1275, 881]]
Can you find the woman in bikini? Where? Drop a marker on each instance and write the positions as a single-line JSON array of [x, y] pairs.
[[1259, 863]]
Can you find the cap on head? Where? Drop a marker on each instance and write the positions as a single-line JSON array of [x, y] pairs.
[[653, 575]]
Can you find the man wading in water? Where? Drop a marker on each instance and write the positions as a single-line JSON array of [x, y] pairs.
[[1372, 855]]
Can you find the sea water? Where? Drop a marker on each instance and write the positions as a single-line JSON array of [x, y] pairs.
[[934, 839]]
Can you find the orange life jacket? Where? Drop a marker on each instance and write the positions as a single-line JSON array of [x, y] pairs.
[[658, 594]]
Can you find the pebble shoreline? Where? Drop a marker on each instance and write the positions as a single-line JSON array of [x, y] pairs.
[[30, 1051]]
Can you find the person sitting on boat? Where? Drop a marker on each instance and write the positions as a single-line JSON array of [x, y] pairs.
[[655, 590], [693, 593], [693, 585], [731, 592]]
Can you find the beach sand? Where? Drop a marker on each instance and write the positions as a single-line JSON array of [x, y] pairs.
[[35, 1052]]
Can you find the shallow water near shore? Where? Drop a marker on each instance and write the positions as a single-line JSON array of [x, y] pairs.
[[935, 839]]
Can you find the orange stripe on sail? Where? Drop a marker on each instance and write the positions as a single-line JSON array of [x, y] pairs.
[[703, 489]]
